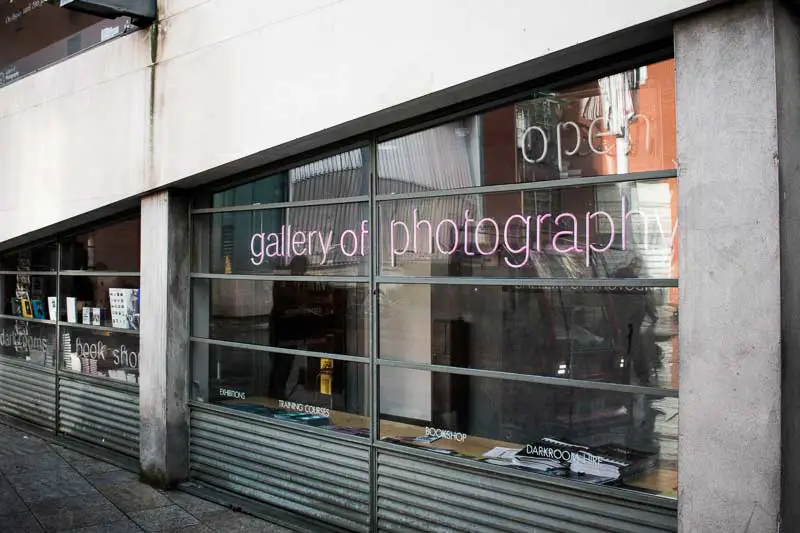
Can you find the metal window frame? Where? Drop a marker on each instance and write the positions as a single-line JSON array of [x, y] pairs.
[[375, 279], [58, 324]]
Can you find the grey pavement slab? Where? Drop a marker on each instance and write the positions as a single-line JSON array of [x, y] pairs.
[[19, 523], [134, 496], [193, 505], [123, 526], [75, 512], [163, 518], [46, 487], [10, 502], [50, 484]]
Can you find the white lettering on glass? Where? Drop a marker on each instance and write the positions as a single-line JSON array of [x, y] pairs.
[[445, 434], [310, 409], [230, 393], [448, 236]]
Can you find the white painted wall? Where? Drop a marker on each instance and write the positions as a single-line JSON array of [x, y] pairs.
[[74, 137], [238, 78]]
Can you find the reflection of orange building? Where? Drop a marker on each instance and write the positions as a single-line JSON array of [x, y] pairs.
[[626, 124]]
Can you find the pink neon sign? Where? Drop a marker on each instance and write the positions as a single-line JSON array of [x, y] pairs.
[[445, 236]]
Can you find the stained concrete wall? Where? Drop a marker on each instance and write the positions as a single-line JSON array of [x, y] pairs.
[[164, 339], [730, 276]]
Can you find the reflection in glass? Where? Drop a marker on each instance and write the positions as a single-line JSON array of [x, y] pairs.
[[618, 124], [624, 230], [607, 334], [311, 315], [326, 240], [612, 438], [28, 296], [100, 353], [108, 301], [313, 391], [29, 341], [340, 176], [113, 248], [39, 258], [37, 33]]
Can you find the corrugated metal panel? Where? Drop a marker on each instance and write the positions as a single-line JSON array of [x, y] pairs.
[[323, 478], [416, 494], [106, 416], [28, 392]]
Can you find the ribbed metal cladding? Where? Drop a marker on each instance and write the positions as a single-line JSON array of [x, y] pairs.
[[106, 416], [416, 494], [28, 393], [322, 478]]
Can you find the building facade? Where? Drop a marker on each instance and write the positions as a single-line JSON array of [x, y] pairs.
[[412, 266]]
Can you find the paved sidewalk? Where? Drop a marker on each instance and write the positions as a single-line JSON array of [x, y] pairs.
[[44, 487]]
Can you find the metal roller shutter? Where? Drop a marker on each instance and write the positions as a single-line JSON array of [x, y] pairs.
[[28, 392], [417, 494], [103, 414], [319, 477]]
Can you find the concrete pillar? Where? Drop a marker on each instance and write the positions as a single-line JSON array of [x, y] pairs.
[[164, 366], [787, 59], [730, 92]]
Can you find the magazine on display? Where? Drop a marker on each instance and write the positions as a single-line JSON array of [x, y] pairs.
[[603, 464]]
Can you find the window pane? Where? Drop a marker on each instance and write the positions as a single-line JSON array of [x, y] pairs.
[[312, 315], [339, 176], [617, 335], [328, 240], [626, 230], [29, 341], [306, 390], [113, 248], [29, 296], [610, 438], [38, 258], [108, 301], [100, 353], [618, 124]]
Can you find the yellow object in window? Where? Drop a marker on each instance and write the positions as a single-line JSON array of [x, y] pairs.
[[325, 376], [228, 269]]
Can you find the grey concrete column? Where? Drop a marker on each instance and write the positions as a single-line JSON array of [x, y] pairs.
[[730, 95], [787, 60], [164, 366]]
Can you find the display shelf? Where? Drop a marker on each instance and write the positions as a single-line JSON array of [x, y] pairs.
[[98, 328], [26, 319]]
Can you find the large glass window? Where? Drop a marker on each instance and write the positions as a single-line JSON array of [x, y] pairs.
[[280, 295], [99, 301], [510, 278], [79, 313], [28, 293], [37, 33]]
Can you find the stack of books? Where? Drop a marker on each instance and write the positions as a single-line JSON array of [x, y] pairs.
[[603, 464]]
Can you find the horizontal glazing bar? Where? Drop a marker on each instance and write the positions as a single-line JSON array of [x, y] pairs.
[[272, 277], [98, 328], [108, 383], [25, 319], [280, 351], [568, 283], [281, 205], [543, 380], [602, 490], [534, 186], [15, 361], [99, 274], [28, 273]]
